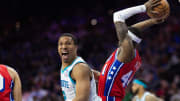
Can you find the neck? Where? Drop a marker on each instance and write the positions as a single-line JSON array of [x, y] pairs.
[[141, 93], [65, 64]]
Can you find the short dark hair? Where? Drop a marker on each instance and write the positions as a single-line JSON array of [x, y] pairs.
[[74, 38]]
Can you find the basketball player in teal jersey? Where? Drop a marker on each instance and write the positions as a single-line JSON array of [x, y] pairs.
[[77, 80], [139, 87]]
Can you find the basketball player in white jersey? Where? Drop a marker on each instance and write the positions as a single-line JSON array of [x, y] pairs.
[[77, 80], [139, 90]]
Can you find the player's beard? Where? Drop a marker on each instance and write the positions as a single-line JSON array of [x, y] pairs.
[[135, 93]]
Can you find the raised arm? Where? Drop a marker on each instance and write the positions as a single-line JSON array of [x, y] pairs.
[[126, 48], [119, 18], [125, 37], [81, 74]]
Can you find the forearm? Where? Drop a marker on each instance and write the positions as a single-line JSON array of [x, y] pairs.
[[122, 15], [144, 24]]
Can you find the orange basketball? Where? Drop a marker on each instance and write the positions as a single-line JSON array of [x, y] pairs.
[[163, 10]]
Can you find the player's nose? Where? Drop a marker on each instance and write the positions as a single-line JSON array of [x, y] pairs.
[[64, 46]]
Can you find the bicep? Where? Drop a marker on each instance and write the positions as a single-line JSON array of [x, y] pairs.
[[81, 75], [83, 87], [17, 88], [121, 30], [17, 93]]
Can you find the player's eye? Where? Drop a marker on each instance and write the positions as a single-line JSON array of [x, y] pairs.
[[60, 44], [68, 43]]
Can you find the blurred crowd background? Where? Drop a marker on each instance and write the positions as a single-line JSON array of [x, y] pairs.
[[29, 44]]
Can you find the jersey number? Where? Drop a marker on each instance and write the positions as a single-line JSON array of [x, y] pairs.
[[125, 78], [2, 83]]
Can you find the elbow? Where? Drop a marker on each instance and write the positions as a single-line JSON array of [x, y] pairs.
[[117, 17]]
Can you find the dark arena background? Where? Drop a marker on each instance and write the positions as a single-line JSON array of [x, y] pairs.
[[29, 31]]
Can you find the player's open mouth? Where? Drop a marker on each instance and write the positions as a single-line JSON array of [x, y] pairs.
[[65, 55]]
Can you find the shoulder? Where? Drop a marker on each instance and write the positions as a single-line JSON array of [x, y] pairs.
[[12, 72], [151, 97], [126, 51], [80, 70]]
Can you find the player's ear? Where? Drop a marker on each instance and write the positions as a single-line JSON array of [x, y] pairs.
[[76, 47]]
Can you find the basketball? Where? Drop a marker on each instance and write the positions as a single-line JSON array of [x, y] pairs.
[[162, 9]]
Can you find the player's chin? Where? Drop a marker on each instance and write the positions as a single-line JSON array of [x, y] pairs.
[[65, 60]]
